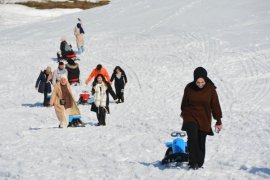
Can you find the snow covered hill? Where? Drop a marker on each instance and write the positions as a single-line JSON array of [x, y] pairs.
[[159, 44]]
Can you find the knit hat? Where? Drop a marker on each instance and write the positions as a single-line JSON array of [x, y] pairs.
[[63, 76], [200, 72]]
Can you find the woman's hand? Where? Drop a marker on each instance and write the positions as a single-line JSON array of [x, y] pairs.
[[218, 128]]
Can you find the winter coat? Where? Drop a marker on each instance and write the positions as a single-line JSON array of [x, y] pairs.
[[42, 83], [57, 75], [119, 82], [102, 96], [60, 109], [96, 72], [73, 72], [198, 105], [79, 37]]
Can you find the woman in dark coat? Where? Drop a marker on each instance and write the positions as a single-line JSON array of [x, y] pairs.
[[43, 84], [73, 72], [120, 78], [200, 102]]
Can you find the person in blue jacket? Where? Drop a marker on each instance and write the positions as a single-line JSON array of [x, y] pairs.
[[43, 84]]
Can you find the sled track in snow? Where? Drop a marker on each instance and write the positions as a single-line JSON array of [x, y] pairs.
[[251, 77], [175, 14]]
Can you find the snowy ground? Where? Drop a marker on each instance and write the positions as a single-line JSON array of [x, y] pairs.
[[158, 43]]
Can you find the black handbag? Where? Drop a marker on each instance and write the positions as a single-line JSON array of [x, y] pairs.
[[62, 101]]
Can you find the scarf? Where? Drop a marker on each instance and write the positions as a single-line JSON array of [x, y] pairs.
[[80, 27], [66, 96]]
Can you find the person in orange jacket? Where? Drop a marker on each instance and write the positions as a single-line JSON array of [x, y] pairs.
[[98, 70]]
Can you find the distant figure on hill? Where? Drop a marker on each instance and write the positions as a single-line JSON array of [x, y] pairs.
[[78, 32]]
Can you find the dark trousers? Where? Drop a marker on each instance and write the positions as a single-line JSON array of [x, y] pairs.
[[46, 101], [101, 115], [196, 144], [119, 94]]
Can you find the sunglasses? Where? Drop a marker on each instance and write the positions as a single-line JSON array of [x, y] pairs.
[[178, 134]]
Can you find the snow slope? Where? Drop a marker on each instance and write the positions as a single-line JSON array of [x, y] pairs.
[[158, 43]]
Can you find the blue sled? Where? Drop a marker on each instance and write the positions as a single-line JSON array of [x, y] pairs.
[[177, 149], [73, 117], [75, 121]]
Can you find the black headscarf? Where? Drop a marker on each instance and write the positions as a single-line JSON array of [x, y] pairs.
[[80, 27], [200, 72]]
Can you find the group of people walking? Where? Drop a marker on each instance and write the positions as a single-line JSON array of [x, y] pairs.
[[101, 88], [69, 74], [199, 103]]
